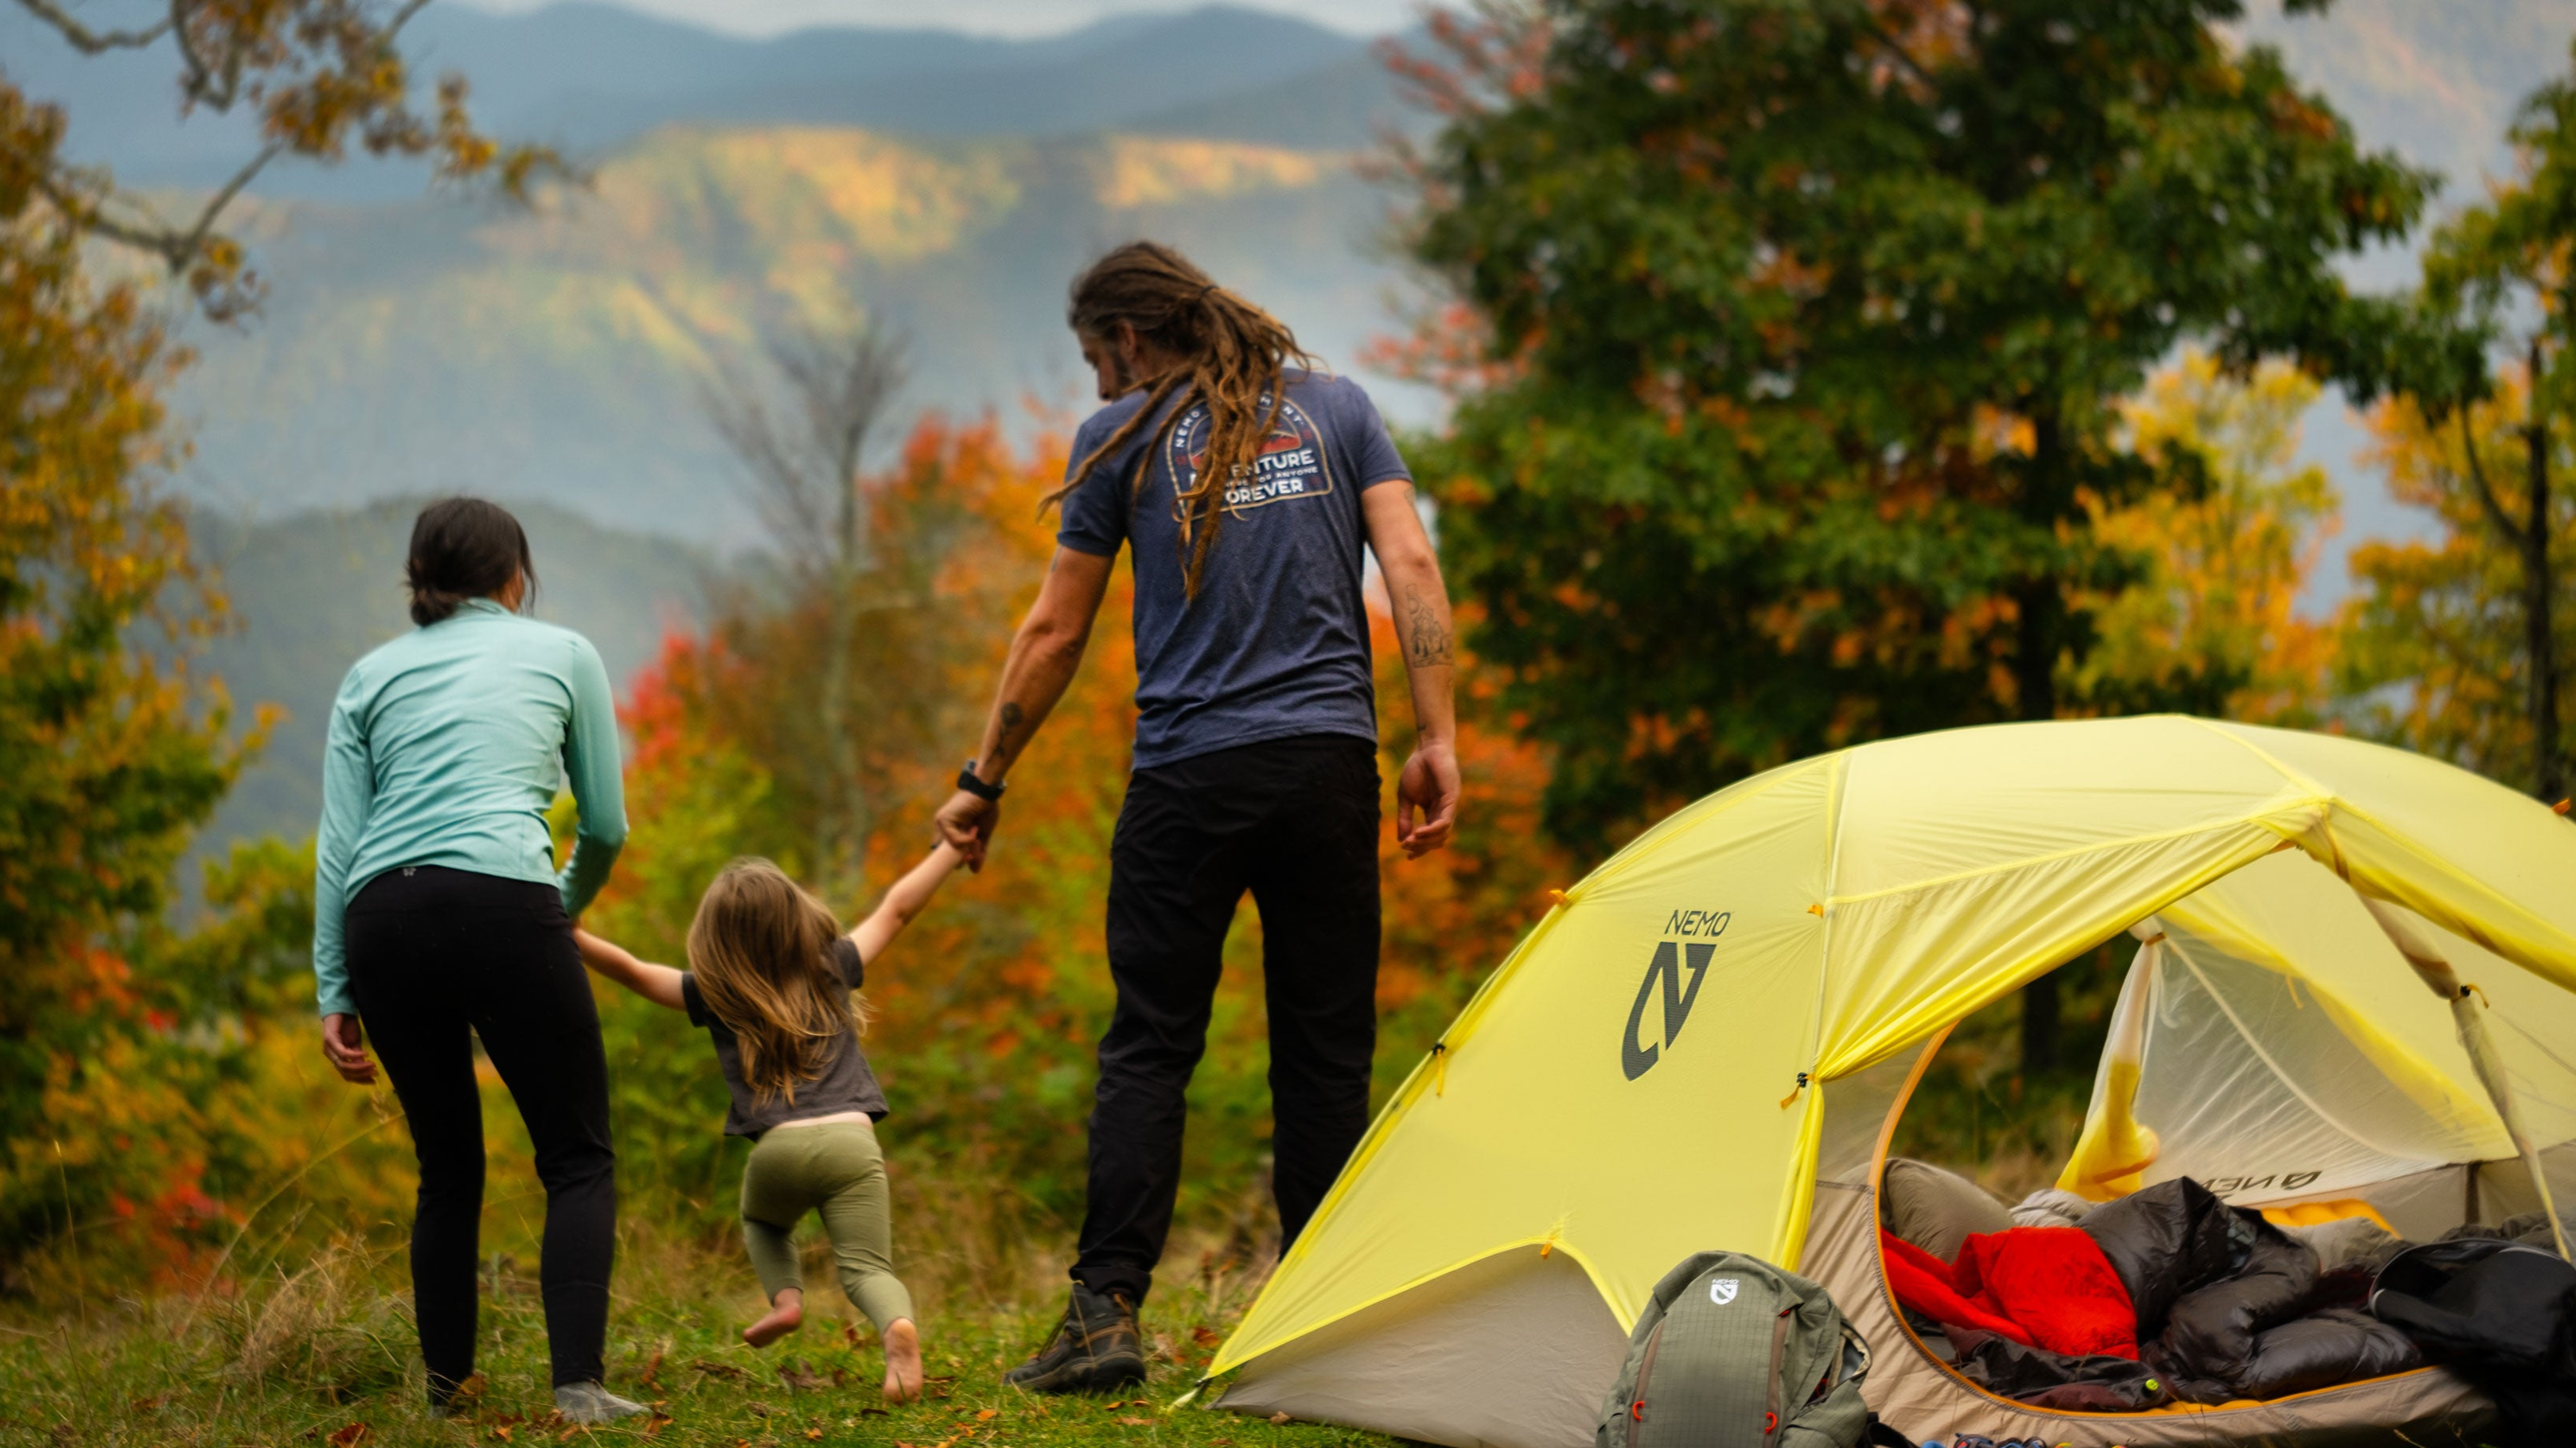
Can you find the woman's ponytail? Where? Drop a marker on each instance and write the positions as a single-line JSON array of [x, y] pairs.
[[463, 548]]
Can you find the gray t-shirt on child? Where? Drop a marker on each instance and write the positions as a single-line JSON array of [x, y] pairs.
[[1277, 642], [846, 1083]]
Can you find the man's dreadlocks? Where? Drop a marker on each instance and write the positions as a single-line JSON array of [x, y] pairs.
[[1224, 352]]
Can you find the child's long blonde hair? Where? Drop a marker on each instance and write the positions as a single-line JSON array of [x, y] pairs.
[[761, 947]]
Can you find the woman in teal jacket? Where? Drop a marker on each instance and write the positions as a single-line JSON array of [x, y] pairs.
[[439, 911]]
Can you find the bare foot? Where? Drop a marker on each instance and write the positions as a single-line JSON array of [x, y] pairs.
[[786, 1313], [903, 1361]]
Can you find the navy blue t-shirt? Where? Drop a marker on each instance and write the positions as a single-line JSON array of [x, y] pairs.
[[1277, 642]]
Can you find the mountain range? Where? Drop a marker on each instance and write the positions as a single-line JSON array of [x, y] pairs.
[[589, 78], [423, 347]]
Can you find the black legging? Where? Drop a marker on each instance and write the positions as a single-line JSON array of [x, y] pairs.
[[432, 953]]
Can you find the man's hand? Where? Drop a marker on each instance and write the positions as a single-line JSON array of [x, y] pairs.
[[1426, 799], [345, 1045], [966, 824]]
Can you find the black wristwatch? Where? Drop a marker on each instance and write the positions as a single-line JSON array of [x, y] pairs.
[[967, 781]]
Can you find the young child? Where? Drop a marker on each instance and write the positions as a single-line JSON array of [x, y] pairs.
[[771, 977]]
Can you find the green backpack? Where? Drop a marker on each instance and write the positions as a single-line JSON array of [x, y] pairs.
[[1733, 1351]]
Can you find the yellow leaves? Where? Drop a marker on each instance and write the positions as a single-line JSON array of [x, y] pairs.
[[2227, 566], [1994, 432], [1145, 171]]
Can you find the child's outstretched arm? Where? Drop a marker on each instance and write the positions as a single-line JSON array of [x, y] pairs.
[[659, 984], [906, 900]]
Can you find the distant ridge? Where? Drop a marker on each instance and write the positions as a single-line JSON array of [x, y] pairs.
[[425, 347], [592, 77]]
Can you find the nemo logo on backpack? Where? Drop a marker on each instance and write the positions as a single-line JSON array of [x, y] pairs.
[[1722, 1290], [1637, 1057]]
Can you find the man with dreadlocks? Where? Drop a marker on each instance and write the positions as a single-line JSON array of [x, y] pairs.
[[1245, 481]]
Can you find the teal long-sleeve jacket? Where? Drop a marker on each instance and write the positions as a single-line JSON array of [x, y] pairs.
[[446, 748]]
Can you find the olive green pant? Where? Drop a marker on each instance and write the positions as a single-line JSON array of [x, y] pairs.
[[836, 1167]]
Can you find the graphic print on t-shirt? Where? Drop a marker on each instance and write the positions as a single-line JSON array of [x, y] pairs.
[[1290, 464]]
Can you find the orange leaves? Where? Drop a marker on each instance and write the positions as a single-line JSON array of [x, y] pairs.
[[2291, 115]]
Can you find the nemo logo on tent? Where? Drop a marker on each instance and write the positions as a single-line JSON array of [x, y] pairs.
[[1671, 959]]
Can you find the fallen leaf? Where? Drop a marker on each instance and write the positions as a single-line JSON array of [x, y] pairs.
[[1166, 1349], [501, 1433], [652, 1369], [718, 1370], [874, 1413], [1278, 1418], [350, 1436], [988, 1415], [840, 1377], [570, 1432], [816, 1434], [654, 1425], [1206, 1336], [1135, 1422], [800, 1376], [759, 1410], [146, 1405]]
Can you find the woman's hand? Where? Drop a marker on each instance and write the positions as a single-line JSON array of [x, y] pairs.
[[344, 1043]]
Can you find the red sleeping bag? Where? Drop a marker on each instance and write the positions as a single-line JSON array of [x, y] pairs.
[[2049, 1287]]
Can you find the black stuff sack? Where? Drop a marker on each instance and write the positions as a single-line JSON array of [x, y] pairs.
[[2501, 1313], [1732, 1352]]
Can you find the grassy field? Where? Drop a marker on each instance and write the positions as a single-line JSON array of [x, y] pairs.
[[326, 1355], [302, 1343]]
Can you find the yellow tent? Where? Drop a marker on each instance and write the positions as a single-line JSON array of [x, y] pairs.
[[1706, 1044]]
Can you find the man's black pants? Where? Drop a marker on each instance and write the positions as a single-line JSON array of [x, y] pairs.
[[1295, 821], [433, 954]]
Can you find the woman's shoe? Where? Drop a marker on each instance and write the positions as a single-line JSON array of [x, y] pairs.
[[592, 1403]]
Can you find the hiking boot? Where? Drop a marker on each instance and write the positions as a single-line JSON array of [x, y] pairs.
[[1094, 1349]]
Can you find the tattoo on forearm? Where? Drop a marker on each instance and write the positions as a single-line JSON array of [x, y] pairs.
[[1427, 640], [1012, 714]]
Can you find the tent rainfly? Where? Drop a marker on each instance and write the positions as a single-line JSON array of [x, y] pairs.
[[1707, 1043]]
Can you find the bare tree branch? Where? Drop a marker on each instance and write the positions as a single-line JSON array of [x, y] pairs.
[[95, 42], [321, 73], [801, 458], [795, 514]]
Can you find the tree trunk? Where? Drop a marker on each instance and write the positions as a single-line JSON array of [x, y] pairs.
[[2041, 608], [2549, 779], [2039, 1016]]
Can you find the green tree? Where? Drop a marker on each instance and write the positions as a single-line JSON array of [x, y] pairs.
[[1802, 331], [2475, 630], [108, 756]]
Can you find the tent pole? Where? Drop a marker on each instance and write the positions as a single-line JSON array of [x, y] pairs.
[[2467, 1006]]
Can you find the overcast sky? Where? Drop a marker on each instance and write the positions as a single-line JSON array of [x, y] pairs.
[[989, 17]]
